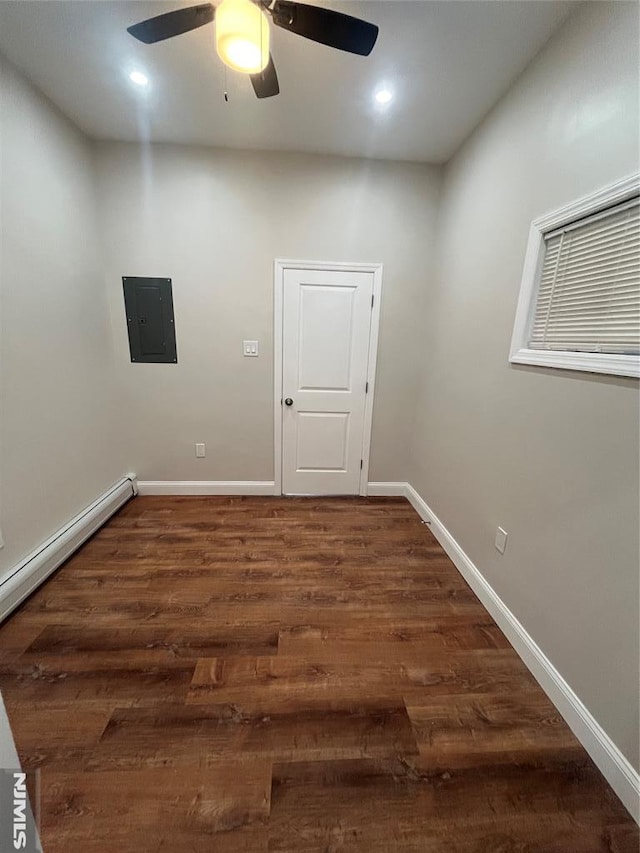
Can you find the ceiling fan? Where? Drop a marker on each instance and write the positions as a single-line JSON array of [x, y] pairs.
[[242, 33]]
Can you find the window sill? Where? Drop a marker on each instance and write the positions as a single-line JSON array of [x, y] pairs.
[[591, 362]]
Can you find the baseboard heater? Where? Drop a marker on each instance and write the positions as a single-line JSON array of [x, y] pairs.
[[30, 572]]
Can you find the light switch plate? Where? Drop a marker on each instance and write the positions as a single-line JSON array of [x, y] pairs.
[[250, 349], [200, 451], [501, 540]]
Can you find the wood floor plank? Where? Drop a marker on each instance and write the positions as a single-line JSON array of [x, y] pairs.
[[159, 643], [469, 729], [53, 735], [436, 634], [185, 735], [289, 683], [225, 807], [275, 675], [399, 805], [454, 649], [77, 680], [280, 684], [16, 635]]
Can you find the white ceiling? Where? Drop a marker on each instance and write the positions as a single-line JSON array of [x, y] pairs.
[[447, 62]]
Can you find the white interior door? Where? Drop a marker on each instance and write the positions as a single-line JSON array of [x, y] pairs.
[[325, 353]]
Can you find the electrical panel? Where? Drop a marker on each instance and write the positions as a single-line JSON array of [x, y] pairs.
[[150, 321]]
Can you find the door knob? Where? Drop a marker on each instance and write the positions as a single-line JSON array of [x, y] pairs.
[[288, 402]]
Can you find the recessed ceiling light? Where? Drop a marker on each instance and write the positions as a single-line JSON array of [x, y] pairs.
[[139, 78], [383, 96]]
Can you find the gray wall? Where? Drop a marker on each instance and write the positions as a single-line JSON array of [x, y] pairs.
[[214, 221], [550, 455], [58, 415]]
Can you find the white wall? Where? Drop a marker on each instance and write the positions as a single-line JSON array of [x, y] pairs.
[[214, 221], [58, 440], [550, 455]]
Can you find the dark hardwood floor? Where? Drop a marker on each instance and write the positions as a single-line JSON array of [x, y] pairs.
[[302, 675]]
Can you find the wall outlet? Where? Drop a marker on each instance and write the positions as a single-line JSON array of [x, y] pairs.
[[501, 540], [200, 451], [250, 349]]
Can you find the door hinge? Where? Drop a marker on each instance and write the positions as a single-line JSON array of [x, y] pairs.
[[372, 297], [361, 464], [366, 388]]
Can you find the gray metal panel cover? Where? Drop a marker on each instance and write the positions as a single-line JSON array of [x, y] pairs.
[[150, 322]]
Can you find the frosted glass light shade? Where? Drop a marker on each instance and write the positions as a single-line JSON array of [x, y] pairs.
[[242, 36]]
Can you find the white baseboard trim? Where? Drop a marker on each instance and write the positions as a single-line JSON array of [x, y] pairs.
[[206, 487], [387, 490], [30, 572], [613, 765]]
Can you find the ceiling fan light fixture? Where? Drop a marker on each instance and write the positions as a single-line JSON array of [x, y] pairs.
[[242, 36]]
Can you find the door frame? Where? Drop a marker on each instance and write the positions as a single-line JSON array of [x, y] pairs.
[[280, 266]]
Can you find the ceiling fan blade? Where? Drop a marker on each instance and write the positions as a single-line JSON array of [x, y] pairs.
[[172, 23], [326, 26], [265, 84]]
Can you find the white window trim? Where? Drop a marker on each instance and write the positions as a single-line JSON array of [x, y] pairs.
[[612, 363]]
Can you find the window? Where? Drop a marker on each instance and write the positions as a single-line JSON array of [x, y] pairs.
[[579, 305]]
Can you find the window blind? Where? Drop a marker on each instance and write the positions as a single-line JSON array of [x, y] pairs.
[[589, 289]]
